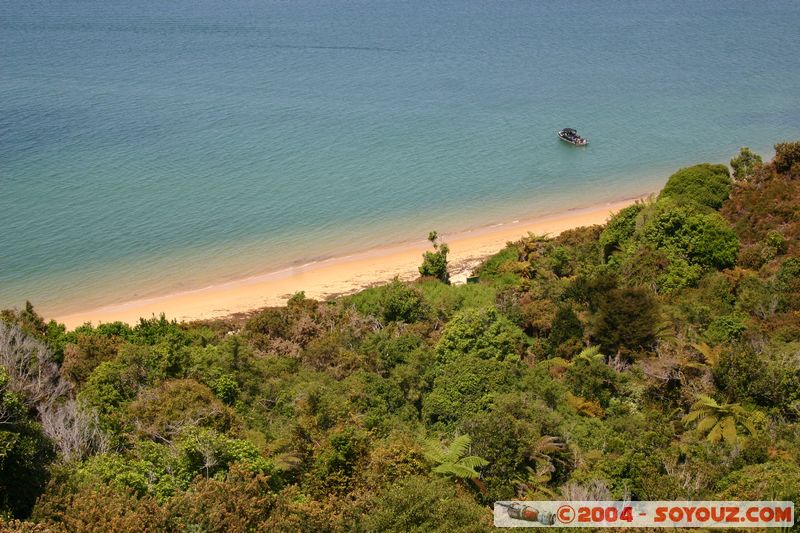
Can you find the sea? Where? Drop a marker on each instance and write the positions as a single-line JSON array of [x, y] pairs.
[[155, 147]]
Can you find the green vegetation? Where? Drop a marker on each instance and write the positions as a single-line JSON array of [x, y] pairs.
[[434, 264], [654, 357]]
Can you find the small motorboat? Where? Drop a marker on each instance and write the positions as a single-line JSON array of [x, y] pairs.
[[571, 136]]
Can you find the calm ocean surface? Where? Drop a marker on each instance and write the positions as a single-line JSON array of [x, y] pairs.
[[149, 147]]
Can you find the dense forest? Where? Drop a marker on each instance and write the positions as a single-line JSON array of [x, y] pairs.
[[655, 357]]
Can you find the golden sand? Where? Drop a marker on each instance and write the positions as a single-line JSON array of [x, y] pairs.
[[342, 275]]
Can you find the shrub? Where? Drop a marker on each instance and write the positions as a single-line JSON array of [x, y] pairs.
[[704, 239], [102, 509], [163, 411], [769, 379], [25, 454], [744, 163], [626, 320], [705, 184], [421, 504], [482, 333], [566, 326], [242, 501], [466, 386], [619, 229], [786, 155], [775, 480], [83, 356], [434, 264], [593, 380], [402, 303], [339, 461], [726, 328]]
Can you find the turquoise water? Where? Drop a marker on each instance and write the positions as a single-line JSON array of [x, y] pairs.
[[153, 147]]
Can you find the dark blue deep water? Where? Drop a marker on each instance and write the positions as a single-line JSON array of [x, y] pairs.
[[148, 147]]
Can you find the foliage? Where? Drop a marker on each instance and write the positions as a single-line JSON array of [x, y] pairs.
[[465, 386], [619, 229], [726, 328], [453, 460], [434, 264], [702, 239], [566, 326], [402, 303], [420, 504], [626, 320], [24, 456], [744, 164], [314, 415], [482, 333], [592, 379], [787, 155], [773, 480], [164, 411], [706, 184], [721, 421]]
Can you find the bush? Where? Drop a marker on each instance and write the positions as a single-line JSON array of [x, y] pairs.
[[402, 303], [482, 333], [83, 356], [619, 229], [165, 410], [786, 155], [566, 326], [338, 462], [25, 454], [421, 504], [726, 328], [626, 320], [705, 184], [434, 264], [703, 239], [775, 480], [745, 163], [769, 379], [467, 386], [593, 380]]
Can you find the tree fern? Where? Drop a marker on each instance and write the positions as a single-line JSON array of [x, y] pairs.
[[453, 460]]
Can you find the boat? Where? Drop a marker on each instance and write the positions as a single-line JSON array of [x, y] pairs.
[[571, 136]]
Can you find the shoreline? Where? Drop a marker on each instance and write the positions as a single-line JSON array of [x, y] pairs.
[[341, 275]]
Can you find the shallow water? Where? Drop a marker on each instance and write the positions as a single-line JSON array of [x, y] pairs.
[[148, 148]]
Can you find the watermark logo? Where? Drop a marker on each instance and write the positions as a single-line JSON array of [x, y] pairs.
[[617, 514]]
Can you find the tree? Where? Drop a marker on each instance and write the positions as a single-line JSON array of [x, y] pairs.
[[744, 163], [705, 184], [75, 430], [24, 453], [465, 387], [720, 422], [402, 303], [681, 230], [786, 156], [83, 355], [32, 372], [619, 229], [434, 264], [421, 504], [626, 320], [164, 411], [482, 333], [454, 461], [566, 326]]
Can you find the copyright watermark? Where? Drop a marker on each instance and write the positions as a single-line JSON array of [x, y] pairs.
[[596, 514]]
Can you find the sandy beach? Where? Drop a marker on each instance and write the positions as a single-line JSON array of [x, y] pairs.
[[341, 275]]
